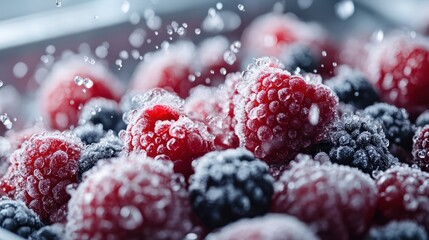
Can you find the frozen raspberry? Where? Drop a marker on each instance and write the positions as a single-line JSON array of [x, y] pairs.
[[338, 202], [5, 151], [423, 119], [278, 114], [230, 185], [402, 230], [354, 50], [215, 108], [268, 227], [71, 84], [102, 111], [168, 69], [17, 138], [399, 67], [215, 58], [403, 194], [395, 123], [17, 218], [353, 88], [134, 197], [108, 147], [421, 149], [359, 141], [89, 133], [40, 172], [161, 129]]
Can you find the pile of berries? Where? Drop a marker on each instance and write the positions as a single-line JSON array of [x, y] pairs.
[[285, 148]]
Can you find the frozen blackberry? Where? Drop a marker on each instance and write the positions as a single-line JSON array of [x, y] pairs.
[[423, 119], [110, 146], [300, 56], [403, 230], [229, 185], [359, 141], [17, 218], [353, 88], [103, 111], [395, 123], [51, 232], [89, 133]]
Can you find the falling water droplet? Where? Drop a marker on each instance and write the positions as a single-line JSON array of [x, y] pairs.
[[125, 7], [58, 3], [78, 80], [241, 7], [6, 121], [345, 9]]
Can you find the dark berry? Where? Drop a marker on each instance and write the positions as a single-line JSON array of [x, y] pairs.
[[268, 227], [102, 111], [353, 88], [423, 119], [421, 149], [359, 141], [395, 123], [300, 56], [109, 146], [279, 114], [338, 202], [89, 133], [402, 230], [51, 232], [133, 197], [17, 218], [230, 185]]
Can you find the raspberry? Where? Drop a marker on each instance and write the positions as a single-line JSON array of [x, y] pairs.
[[230, 185], [102, 111], [5, 151], [41, 169], [134, 197], [421, 149], [130, 101], [353, 88], [17, 138], [403, 195], [64, 93], [89, 133], [51, 232], [403, 230], [394, 121], [215, 108], [168, 69], [278, 114], [17, 218], [336, 201], [399, 68], [161, 129], [423, 119], [268, 227], [108, 147], [359, 141]]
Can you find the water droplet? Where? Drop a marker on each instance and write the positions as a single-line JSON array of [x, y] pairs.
[[130, 217], [137, 37], [314, 114], [58, 3], [125, 7], [88, 83], [345, 9], [197, 31], [219, 6], [6, 121], [235, 46], [78, 80], [50, 49], [223, 71], [118, 63], [101, 51], [181, 31], [123, 54], [20, 70], [324, 53], [421, 154], [1, 83], [241, 7]]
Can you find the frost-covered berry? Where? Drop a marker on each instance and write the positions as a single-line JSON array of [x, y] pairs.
[[398, 230], [423, 119], [300, 56], [51, 232], [89, 133], [421, 149], [230, 185]]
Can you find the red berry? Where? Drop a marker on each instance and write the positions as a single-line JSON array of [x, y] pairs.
[[268, 227], [162, 130], [421, 149], [403, 194], [168, 69], [65, 91], [133, 197], [40, 172], [337, 201], [279, 114], [399, 68], [17, 138]]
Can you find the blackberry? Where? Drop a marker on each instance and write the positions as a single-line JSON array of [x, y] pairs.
[[89, 133], [299, 56], [402, 230], [110, 146], [395, 123], [422, 119], [353, 88], [359, 141], [17, 218], [229, 185], [103, 111], [51, 232]]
